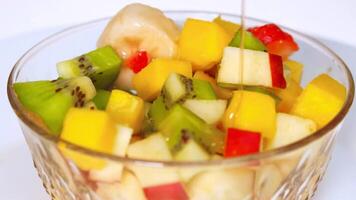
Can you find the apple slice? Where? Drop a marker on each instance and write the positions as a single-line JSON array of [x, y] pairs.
[[128, 188], [268, 179], [290, 129], [211, 111], [153, 147], [113, 170], [258, 69], [222, 185], [172, 191], [191, 152], [241, 142]]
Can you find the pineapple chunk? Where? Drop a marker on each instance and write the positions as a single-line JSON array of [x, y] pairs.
[[191, 152], [202, 43], [288, 96], [153, 147], [321, 100], [149, 81], [222, 93], [296, 70], [126, 109], [252, 111], [229, 27], [92, 129], [290, 129]]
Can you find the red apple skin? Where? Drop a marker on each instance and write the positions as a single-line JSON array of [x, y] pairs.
[[276, 66], [172, 191], [241, 142]]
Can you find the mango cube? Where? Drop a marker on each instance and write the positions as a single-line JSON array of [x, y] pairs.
[[126, 109], [252, 111], [321, 100], [149, 81], [296, 70], [288, 96], [229, 27], [92, 129], [202, 43]]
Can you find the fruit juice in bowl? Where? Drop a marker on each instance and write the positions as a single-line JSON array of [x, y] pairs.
[[149, 105]]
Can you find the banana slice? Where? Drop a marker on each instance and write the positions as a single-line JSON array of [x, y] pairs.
[[140, 27]]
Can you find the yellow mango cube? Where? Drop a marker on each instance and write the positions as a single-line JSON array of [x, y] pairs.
[[321, 100], [126, 109], [149, 81], [288, 96], [252, 111], [229, 27], [296, 70], [92, 129], [202, 43]]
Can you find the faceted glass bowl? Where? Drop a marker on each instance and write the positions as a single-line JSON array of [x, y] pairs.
[[290, 172]]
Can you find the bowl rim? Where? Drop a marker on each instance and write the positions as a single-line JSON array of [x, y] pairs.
[[243, 160]]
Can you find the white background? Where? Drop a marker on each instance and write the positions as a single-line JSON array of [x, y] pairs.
[[25, 22]]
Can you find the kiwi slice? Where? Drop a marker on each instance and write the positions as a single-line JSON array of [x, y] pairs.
[[101, 66], [203, 90], [180, 124], [178, 88], [101, 99], [157, 112], [250, 41], [51, 100]]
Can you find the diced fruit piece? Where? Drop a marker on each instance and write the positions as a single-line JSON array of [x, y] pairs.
[[202, 43], [203, 90], [258, 69], [211, 111], [153, 147], [141, 27], [252, 111], [101, 66], [51, 100], [222, 185], [180, 124], [222, 93], [277, 41], [229, 27], [321, 100], [268, 180], [296, 70], [176, 88], [113, 170], [90, 105], [250, 41], [128, 188], [126, 109], [157, 112], [149, 81], [101, 99], [277, 74], [288, 96], [191, 152], [138, 61], [241, 142], [92, 129], [290, 129], [172, 191]]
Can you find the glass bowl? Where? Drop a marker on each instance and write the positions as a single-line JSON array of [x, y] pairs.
[[290, 172]]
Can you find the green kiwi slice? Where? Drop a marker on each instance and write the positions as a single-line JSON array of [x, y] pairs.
[[101, 66], [51, 100]]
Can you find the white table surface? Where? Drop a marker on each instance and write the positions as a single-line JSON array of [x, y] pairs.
[[23, 23]]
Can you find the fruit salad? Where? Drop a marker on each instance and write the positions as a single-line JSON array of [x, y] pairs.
[[153, 90]]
